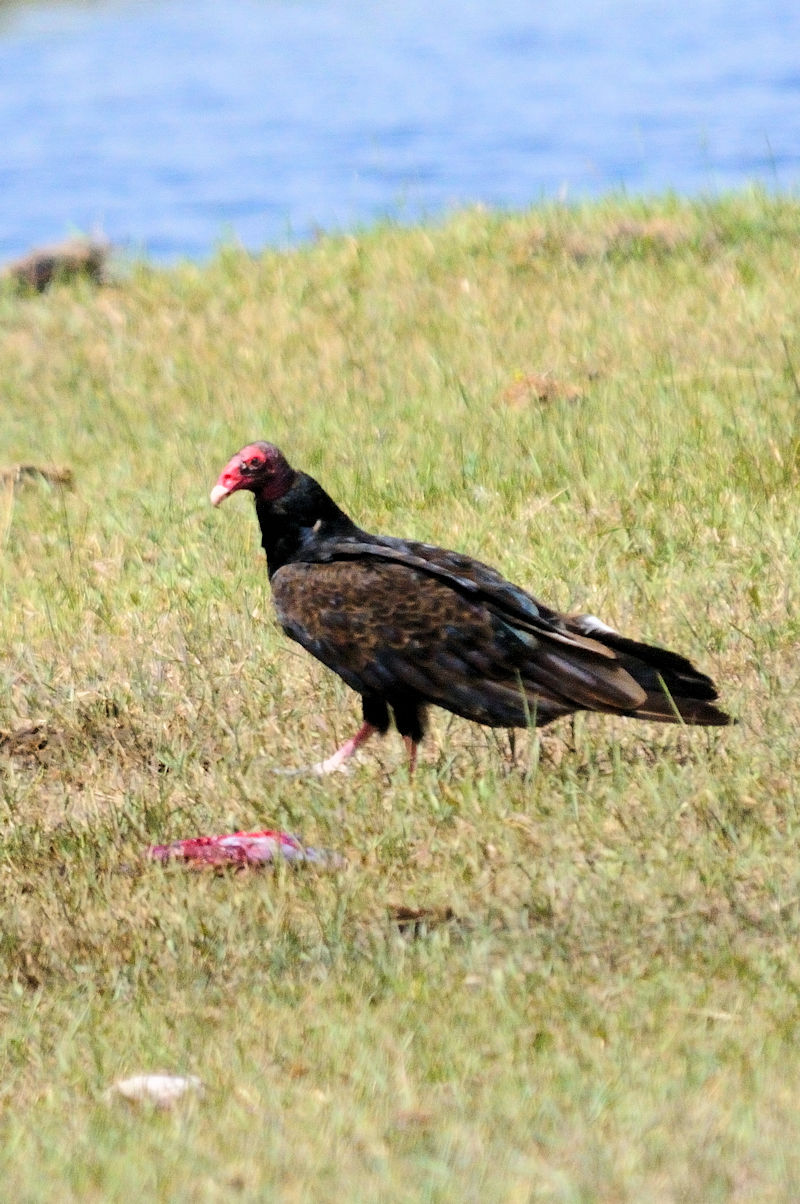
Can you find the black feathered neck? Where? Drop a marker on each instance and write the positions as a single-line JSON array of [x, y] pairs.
[[304, 516]]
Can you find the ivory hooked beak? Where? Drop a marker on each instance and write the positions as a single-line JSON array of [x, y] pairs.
[[217, 494]]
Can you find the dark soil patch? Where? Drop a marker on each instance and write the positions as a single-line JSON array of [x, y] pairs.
[[101, 728]]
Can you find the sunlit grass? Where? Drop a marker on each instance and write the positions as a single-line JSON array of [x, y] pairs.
[[604, 1005]]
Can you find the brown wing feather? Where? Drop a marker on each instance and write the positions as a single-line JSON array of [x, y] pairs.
[[394, 630]]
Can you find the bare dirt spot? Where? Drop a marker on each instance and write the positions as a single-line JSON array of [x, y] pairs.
[[25, 743], [416, 921], [623, 239], [538, 388], [100, 727], [59, 262], [18, 474]]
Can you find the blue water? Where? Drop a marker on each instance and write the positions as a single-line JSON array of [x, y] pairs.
[[172, 125]]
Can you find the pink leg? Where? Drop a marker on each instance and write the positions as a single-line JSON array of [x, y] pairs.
[[337, 760], [411, 749]]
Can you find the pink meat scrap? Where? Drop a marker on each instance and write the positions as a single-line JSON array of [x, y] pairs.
[[241, 848]]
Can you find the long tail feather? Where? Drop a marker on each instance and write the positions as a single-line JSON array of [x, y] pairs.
[[677, 692], [664, 708]]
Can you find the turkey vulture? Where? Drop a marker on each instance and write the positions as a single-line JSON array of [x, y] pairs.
[[408, 625]]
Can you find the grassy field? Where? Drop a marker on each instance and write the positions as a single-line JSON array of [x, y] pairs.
[[603, 1003]]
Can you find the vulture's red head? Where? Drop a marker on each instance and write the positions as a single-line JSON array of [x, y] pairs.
[[259, 467]]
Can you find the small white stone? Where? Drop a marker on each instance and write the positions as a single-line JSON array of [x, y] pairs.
[[164, 1090]]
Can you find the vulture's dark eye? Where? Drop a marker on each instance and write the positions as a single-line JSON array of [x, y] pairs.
[[251, 465]]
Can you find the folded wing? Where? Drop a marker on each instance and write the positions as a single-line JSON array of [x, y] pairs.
[[396, 631]]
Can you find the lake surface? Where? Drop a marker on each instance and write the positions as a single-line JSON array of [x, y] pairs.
[[175, 125]]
